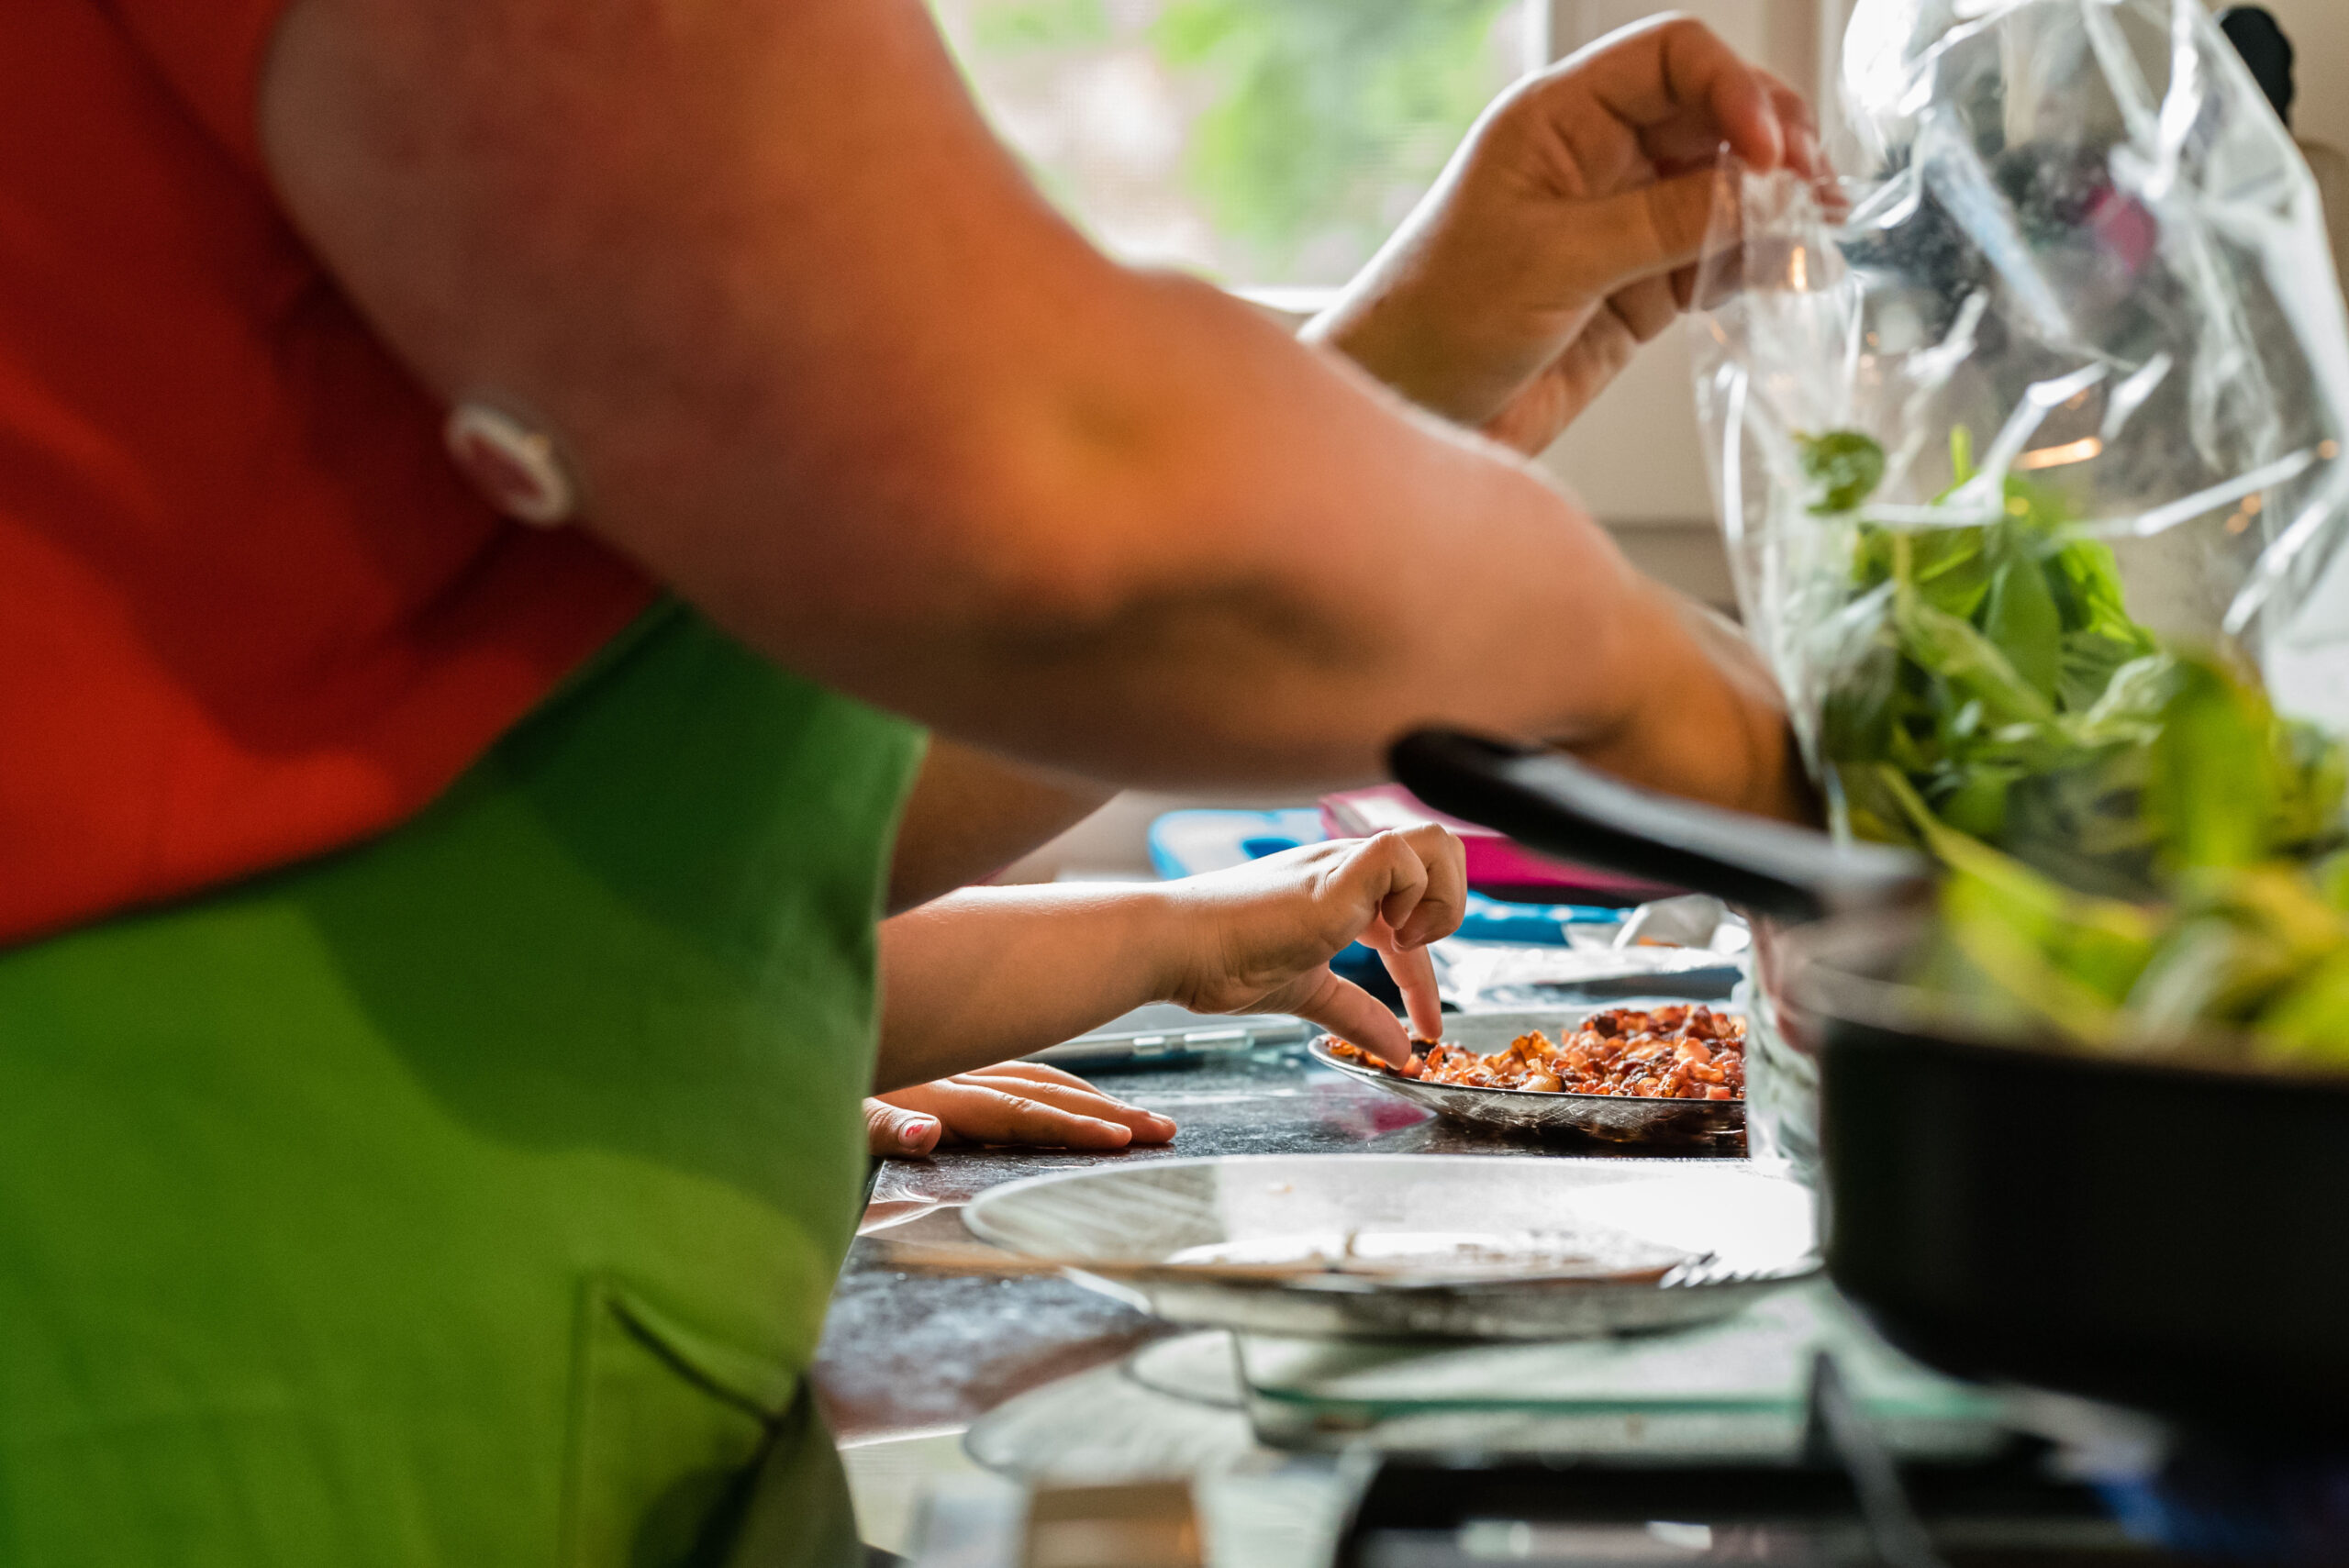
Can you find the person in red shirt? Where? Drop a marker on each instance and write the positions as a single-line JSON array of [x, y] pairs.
[[437, 946], [820, 360]]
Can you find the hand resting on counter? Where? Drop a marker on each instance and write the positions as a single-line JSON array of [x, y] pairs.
[[1024, 1103]]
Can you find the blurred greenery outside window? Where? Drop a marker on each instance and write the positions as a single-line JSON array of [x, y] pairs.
[[1262, 143]]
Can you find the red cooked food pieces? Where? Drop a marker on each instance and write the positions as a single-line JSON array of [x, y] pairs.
[[1679, 1052]]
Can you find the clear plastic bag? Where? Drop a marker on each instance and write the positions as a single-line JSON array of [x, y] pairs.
[[2082, 282]]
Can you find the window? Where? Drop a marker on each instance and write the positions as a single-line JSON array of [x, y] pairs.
[[1259, 142]]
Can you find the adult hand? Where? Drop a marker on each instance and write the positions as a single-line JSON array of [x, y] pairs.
[[1012, 1102], [1262, 935], [1564, 233]]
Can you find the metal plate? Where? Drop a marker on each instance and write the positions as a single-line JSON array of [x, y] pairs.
[[1618, 1119], [1123, 1229]]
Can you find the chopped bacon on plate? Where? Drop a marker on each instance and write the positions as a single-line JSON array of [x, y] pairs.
[[1678, 1052]]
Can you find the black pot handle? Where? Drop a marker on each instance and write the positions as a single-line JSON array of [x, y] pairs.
[[1549, 802]]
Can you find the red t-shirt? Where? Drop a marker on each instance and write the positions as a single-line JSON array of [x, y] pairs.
[[249, 610]]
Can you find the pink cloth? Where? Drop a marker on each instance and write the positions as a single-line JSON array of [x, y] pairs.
[[1496, 863]]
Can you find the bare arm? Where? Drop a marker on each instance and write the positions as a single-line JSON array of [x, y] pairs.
[[970, 813], [830, 368], [995, 972], [991, 973]]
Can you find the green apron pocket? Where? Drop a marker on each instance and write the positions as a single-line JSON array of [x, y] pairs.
[[669, 1427]]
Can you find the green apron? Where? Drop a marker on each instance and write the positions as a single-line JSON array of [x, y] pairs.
[[471, 1196]]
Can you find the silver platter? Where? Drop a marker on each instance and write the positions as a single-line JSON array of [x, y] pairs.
[[1123, 1229], [1618, 1118]]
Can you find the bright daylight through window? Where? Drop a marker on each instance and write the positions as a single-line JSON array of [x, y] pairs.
[[1259, 142]]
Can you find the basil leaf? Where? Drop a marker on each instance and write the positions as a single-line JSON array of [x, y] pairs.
[[1971, 665], [2021, 620], [2116, 816], [1846, 465], [2211, 790], [2308, 1021]]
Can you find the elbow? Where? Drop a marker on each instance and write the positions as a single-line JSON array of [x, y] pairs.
[[1079, 489], [1044, 563], [921, 534], [1031, 529], [1044, 497]]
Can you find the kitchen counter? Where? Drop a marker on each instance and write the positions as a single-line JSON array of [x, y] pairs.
[[941, 1356], [921, 1340]]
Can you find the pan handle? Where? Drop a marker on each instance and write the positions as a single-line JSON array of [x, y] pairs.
[[1551, 803]]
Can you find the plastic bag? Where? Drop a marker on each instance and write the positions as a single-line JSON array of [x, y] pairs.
[[2081, 293], [2028, 444]]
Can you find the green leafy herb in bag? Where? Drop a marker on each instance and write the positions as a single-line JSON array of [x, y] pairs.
[[2131, 831]]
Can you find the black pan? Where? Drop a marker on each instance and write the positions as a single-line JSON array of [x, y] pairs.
[[2168, 1236]]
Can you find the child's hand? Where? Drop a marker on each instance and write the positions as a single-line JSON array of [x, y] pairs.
[[1012, 1102], [1263, 933]]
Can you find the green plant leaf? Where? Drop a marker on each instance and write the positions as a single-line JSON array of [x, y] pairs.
[[2307, 1024], [2212, 789], [1846, 465], [2021, 620], [2117, 816], [1974, 668]]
